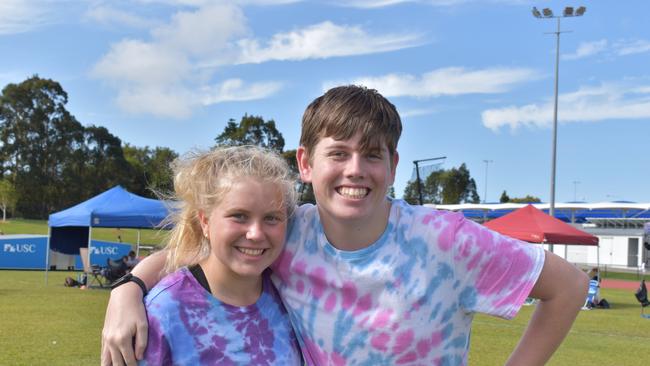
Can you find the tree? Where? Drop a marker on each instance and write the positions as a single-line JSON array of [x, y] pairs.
[[305, 190], [444, 187], [8, 197], [527, 199], [251, 130], [38, 137], [391, 192], [150, 169]]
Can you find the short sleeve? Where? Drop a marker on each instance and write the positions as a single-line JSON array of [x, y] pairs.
[[495, 272]]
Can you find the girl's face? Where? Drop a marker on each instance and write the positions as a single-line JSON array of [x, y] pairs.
[[247, 229]]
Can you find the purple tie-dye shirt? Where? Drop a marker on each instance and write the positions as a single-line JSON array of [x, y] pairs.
[[189, 326], [407, 299]]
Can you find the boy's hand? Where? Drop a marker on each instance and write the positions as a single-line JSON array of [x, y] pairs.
[[125, 318]]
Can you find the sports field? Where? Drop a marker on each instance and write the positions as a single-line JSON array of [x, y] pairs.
[[55, 325]]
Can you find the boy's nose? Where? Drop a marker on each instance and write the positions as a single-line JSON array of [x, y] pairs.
[[354, 167]]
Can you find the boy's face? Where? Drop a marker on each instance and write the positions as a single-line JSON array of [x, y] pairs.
[[349, 184]]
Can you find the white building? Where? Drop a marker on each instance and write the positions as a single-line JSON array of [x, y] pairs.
[[619, 226]]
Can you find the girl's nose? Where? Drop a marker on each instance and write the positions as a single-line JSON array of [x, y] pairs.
[[254, 232]]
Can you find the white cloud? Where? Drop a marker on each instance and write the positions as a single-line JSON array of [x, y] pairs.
[[604, 102], [370, 4], [630, 47], [586, 49], [18, 16], [446, 81], [323, 40], [417, 112], [181, 56], [234, 90], [623, 47], [160, 76], [108, 15]]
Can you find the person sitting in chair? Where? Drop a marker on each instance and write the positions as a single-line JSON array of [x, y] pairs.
[[131, 260]]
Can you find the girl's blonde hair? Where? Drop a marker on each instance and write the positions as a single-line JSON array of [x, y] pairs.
[[201, 181]]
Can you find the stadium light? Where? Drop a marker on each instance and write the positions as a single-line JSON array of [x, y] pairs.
[[547, 15]]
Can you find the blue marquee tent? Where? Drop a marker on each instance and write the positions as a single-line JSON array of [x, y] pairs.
[[71, 228]]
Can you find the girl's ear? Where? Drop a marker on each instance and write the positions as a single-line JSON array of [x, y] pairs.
[[204, 223], [303, 164]]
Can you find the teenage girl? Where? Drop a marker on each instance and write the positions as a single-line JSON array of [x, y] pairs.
[[218, 306]]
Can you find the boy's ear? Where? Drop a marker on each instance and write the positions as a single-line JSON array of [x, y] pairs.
[[393, 168], [303, 164]]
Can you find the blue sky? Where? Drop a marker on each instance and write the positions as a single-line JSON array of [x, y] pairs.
[[473, 80]]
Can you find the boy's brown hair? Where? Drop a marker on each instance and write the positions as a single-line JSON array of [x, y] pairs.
[[345, 110]]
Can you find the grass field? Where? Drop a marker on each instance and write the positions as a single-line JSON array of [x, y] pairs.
[[56, 325]]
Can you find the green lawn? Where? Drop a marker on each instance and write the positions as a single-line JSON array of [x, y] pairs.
[[55, 325]]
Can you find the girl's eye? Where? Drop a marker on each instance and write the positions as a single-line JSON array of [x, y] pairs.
[[238, 216], [273, 219]]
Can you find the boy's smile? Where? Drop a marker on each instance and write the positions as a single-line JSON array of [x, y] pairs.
[[350, 184]]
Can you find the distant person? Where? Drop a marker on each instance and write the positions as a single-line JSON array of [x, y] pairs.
[[594, 274], [218, 306], [131, 260], [370, 280]]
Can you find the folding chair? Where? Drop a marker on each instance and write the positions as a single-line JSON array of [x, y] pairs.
[[642, 295], [93, 271], [592, 295], [114, 269]]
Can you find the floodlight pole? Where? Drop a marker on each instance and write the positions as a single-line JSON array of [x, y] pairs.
[[575, 190], [548, 14], [417, 174], [486, 176]]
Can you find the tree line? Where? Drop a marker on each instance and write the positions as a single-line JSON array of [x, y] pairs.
[[50, 161]]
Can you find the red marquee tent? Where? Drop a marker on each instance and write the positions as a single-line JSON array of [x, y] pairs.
[[534, 226]]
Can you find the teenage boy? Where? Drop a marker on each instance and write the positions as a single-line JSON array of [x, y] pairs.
[[373, 281]]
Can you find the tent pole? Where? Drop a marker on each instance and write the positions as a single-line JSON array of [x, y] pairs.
[[47, 253], [90, 235], [137, 246]]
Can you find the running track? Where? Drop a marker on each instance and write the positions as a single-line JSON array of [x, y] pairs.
[[620, 284]]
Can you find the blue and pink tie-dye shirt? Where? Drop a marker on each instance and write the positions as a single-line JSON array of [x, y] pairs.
[[407, 299], [189, 326]]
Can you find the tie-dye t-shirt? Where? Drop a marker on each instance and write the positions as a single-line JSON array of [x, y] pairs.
[[189, 326], [407, 299]]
